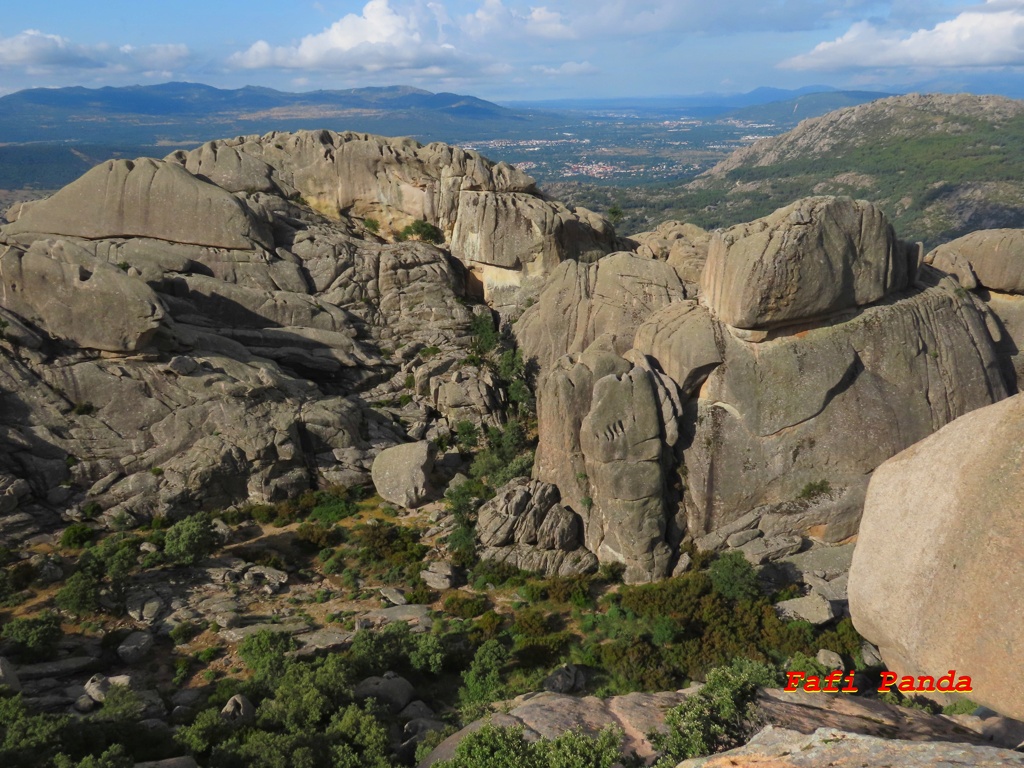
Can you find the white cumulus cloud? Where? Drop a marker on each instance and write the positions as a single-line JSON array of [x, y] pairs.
[[37, 52], [378, 38], [987, 35]]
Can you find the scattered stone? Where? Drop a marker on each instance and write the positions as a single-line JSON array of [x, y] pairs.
[[97, 686], [393, 595], [759, 551], [239, 710], [85, 704], [145, 606], [682, 565], [813, 608], [742, 537], [871, 657], [266, 576], [830, 660], [394, 691], [135, 647], [59, 668]]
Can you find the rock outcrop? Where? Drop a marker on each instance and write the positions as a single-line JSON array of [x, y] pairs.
[[221, 326], [491, 214], [991, 263], [817, 349], [921, 584]]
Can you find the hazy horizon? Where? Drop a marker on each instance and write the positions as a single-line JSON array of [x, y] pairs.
[[509, 50]]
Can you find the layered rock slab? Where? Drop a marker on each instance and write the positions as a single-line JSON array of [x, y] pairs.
[[922, 584], [144, 198]]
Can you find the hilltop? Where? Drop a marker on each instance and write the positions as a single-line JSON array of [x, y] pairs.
[[938, 165]]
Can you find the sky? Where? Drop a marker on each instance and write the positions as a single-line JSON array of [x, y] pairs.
[[513, 50]]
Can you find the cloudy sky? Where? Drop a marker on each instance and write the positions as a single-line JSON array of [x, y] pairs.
[[515, 49]]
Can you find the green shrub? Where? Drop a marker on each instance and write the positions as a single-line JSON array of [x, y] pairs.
[[484, 336], [465, 606], [494, 747], [814, 490], [36, 638], [716, 718], [185, 631], [421, 230], [79, 595], [264, 652], [120, 703], [482, 683], [76, 536], [733, 577], [190, 540], [333, 506], [372, 225]]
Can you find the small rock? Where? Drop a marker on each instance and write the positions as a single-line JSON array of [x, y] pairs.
[[813, 608], [870, 655], [829, 659], [392, 690], [182, 366], [683, 564], [773, 548], [740, 538], [104, 484], [566, 679], [85, 704], [415, 710], [393, 596], [97, 686], [239, 710], [135, 647]]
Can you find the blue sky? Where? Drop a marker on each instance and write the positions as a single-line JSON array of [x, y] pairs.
[[509, 49]]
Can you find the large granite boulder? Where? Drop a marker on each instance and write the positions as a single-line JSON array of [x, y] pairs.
[[525, 526], [991, 263], [937, 574], [989, 258], [145, 198], [667, 421], [224, 344], [808, 260], [401, 474], [72, 296]]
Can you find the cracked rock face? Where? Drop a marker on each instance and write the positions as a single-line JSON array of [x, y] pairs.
[[675, 422], [219, 326]]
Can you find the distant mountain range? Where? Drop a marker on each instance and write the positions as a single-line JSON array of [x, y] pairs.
[[190, 113]]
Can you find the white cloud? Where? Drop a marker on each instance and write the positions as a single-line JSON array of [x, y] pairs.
[[37, 52], [379, 36], [988, 35], [568, 69], [547, 23]]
